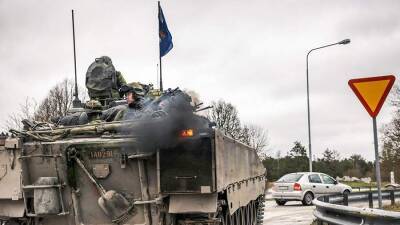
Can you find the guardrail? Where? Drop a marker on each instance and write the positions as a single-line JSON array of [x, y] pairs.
[[335, 210]]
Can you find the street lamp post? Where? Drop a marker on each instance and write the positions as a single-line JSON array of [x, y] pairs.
[[343, 42]]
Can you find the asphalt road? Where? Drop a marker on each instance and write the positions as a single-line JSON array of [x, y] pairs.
[[292, 213]]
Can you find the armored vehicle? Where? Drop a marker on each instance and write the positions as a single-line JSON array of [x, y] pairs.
[[162, 165]]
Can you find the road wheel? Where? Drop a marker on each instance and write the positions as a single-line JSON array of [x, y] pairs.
[[260, 209], [308, 197], [346, 192], [280, 202]]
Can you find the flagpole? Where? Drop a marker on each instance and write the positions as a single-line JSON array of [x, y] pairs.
[[161, 84], [159, 50]]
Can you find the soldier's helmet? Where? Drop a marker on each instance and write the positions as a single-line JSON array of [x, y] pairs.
[[134, 87], [137, 88]]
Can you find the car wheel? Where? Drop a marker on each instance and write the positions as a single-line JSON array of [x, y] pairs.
[[346, 192], [280, 202], [308, 197]]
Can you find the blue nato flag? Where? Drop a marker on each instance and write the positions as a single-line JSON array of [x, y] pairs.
[[164, 34]]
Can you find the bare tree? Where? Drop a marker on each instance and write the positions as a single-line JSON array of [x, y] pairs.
[[58, 101], [225, 115], [395, 98], [256, 137], [26, 111], [55, 104]]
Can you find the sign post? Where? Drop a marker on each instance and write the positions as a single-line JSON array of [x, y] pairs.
[[372, 93], [377, 163]]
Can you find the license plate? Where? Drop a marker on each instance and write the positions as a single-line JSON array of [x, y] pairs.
[[283, 188]]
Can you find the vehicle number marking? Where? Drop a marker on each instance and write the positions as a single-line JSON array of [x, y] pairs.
[[101, 154]]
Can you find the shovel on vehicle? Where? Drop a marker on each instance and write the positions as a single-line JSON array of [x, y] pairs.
[[113, 204]]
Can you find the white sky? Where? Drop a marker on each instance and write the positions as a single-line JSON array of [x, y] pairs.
[[250, 53]]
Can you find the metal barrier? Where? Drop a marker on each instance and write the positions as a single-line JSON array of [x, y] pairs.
[[334, 210]]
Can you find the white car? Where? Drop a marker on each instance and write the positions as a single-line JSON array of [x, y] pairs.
[[305, 186]]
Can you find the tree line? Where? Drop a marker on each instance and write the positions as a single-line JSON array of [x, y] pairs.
[[330, 163]]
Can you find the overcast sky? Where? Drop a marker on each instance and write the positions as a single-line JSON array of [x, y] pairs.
[[250, 53]]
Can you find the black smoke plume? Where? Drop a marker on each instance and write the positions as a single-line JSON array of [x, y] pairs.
[[159, 122]]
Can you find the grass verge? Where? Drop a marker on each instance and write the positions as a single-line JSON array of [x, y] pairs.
[[357, 184]]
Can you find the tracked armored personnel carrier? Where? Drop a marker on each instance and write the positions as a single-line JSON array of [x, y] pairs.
[[163, 166]]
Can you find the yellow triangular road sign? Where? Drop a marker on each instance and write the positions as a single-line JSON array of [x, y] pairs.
[[372, 91]]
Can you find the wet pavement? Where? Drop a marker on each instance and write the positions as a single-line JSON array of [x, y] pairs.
[[292, 213]]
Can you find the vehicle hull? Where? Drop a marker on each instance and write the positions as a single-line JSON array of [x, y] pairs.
[[165, 186]]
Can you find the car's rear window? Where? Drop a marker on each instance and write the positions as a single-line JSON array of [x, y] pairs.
[[290, 178]]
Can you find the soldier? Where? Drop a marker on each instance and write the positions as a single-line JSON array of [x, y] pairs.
[[92, 113], [103, 81], [134, 96]]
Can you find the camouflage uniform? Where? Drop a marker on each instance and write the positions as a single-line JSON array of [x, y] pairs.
[[120, 81], [129, 112], [92, 113]]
